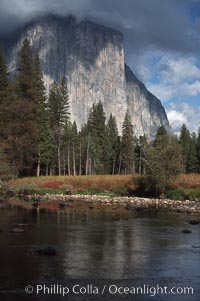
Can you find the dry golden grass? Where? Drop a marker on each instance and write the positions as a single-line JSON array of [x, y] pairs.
[[118, 184], [75, 183], [187, 181]]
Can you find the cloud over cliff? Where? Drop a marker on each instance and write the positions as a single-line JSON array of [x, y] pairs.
[[162, 33], [163, 24]]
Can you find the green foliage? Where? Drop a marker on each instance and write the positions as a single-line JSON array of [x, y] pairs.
[[45, 143], [21, 123], [6, 171], [36, 134], [113, 144], [97, 140], [192, 158], [127, 145], [4, 79], [58, 108], [141, 150], [198, 150], [183, 194], [185, 144], [164, 161]]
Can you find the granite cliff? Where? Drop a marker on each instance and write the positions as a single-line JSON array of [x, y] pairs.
[[91, 56]]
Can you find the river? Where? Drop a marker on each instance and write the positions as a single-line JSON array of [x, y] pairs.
[[98, 247]]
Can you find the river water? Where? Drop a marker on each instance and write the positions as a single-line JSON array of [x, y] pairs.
[[100, 246]]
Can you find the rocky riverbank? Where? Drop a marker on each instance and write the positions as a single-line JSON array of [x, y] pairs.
[[130, 203]]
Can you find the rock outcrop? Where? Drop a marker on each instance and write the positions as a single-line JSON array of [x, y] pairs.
[[91, 56]]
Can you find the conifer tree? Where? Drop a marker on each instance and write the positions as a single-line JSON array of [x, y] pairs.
[[161, 135], [4, 94], [141, 153], [45, 144], [23, 110], [97, 140], [185, 144], [59, 115], [114, 146], [127, 145], [198, 150], [192, 160], [4, 79]]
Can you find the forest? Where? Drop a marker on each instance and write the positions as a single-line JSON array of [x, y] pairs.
[[37, 136]]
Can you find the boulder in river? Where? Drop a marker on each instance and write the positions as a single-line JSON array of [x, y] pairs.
[[17, 230], [194, 222], [20, 225], [63, 205], [36, 204], [186, 231], [46, 251]]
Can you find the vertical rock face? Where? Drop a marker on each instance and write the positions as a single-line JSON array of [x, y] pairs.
[[91, 57], [146, 109]]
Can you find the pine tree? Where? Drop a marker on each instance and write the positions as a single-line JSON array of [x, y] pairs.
[[4, 95], [141, 154], [114, 145], [161, 135], [59, 115], [45, 143], [6, 171], [185, 144], [75, 144], [198, 149], [25, 76], [23, 107], [84, 151], [4, 79], [97, 140], [192, 160], [127, 145]]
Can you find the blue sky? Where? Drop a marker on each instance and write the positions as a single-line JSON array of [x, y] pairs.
[[173, 73], [161, 38], [175, 79]]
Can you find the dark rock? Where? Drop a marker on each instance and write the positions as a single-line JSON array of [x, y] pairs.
[[194, 222], [186, 231], [36, 204], [196, 246], [17, 230], [20, 225], [45, 251], [61, 205]]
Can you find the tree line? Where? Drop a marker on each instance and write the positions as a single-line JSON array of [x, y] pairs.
[[37, 136]]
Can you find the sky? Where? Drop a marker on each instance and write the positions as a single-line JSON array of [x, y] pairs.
[[161, 39]]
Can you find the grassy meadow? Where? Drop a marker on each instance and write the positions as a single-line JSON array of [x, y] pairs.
[[185, 186], [113, 185]]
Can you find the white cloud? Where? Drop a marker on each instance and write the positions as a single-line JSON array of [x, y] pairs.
[[183, 113], [163, 92], [169, 76], [178, 70], [191, 89]]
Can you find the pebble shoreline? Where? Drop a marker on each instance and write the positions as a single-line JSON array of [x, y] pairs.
[[130, 203]]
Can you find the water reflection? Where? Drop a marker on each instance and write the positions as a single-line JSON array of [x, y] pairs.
[[98, 244]]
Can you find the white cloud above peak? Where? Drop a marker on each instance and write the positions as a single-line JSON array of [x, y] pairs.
[[183, 113]]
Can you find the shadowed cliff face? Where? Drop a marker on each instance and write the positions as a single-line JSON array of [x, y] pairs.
[[91, 56]]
